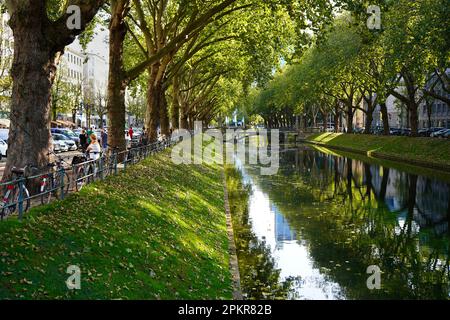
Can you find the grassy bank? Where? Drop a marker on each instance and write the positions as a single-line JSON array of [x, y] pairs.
[[429, 152], [155, 232]]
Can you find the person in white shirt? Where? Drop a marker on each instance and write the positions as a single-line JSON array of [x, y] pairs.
[[94, 148]]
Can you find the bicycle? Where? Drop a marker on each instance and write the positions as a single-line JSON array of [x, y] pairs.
[[86, 172], [11, 198], [53, 183]]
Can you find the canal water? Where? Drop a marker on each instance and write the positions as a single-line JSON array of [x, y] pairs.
[[312, 230]]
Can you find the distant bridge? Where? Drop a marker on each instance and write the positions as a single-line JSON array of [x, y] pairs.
[[284, 133]]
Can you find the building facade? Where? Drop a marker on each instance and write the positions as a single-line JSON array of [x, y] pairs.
[[6, 57], [84, 75]]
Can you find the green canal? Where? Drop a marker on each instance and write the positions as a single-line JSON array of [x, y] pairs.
[[312, 230]]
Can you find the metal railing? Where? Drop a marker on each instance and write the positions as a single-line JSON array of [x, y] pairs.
[[27, 190]]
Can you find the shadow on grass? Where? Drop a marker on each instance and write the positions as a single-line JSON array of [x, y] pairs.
[[156, 232]]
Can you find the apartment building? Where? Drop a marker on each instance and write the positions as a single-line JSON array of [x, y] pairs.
[[86, 72]]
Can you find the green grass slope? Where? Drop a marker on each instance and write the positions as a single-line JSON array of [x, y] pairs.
[[157, 231]]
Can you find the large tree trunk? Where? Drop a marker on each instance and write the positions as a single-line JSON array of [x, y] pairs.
[[336, 122], [325, 120], [349, 113], [385, 116], [33, 72], [191, 121], [164, 115], [429, 110], [369, 120], [74, 116], [184, 116], [153, 102], [176, 104], [38, 41], [413, 118], [336, 116], [117, 82]]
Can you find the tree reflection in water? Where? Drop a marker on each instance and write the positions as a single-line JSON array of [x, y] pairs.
[[260, 279], [354, 214]]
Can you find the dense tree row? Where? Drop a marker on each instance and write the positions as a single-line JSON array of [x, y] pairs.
[[350, 64], [197, 59], [191, 58]]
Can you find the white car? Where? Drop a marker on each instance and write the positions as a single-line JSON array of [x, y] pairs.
[[62, 146], [3, 149], [69, 143], [56, 147]]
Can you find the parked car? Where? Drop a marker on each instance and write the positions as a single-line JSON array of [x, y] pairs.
[[394, 131], [3, 149], [439, 133], [378, 130], [446, 135], [359, 130], [70, 144], [404, 132], [4, 134], [56, 146], [68, 133], [426, 132]]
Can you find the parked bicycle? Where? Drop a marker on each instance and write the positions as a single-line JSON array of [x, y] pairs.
[[16, 193], [85, 170], [56, 183]]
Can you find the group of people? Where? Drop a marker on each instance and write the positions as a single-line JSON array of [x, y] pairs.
[[93, 145]]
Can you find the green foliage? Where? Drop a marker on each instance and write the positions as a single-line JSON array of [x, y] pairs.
[[348, 61]]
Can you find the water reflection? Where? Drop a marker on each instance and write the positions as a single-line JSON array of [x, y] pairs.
[[260, 279], [326, 218]]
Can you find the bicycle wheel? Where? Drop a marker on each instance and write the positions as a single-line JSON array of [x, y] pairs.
[[11, 202], [27, 201], [80, 179], [84, 177], [46, 189], [8, 206], [57, 185]]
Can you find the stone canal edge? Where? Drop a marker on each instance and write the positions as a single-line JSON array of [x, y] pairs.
[[234, 265]]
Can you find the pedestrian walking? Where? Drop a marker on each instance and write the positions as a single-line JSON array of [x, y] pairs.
[[104, 138], [83, 140], [130, 133], [89, 133]]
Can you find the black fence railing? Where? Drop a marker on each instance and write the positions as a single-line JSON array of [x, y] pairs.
[[61, 178]]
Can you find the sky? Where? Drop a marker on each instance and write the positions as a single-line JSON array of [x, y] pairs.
[[99, 44]]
